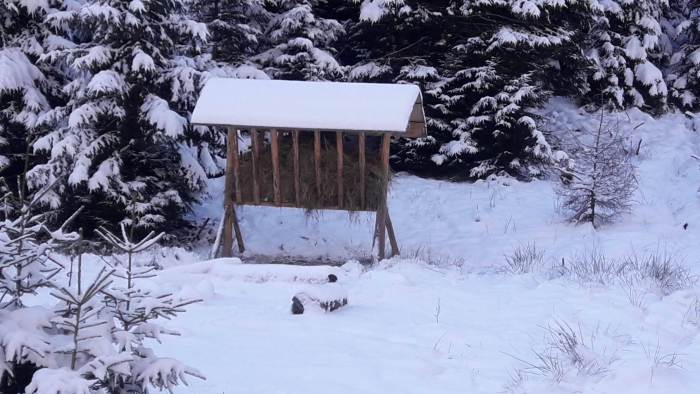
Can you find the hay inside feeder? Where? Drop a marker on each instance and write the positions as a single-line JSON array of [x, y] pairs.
[[374, 183]]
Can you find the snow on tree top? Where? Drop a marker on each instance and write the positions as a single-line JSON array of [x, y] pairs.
[[330, 106]]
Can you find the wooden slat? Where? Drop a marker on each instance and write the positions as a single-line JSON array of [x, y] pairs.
[[274, 149], [339, 144], [293, 205], [233, 150], [297, 175], [381, 212], [363, 193], [317, 164], [256, 156]]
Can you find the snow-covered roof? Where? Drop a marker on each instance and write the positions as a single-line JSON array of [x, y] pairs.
[[325, 106]]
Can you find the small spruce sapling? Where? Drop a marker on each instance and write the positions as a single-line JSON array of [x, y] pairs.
[[135, 314], [600, 185], [90, 359], [26, 265], [25, 250]]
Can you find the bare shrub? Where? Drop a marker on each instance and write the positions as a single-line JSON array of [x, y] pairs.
[[525, 259], [601, 183]]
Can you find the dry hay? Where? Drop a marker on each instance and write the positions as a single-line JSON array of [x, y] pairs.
[[329, 172]]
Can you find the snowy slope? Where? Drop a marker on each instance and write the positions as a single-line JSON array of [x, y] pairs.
[[441, 319]]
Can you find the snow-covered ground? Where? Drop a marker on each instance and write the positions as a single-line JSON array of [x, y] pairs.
[[392, 339], [441, 318]]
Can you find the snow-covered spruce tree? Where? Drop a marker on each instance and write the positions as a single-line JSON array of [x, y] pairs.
[[297, 43], [25, 262], [394, 42], [84, 356], [28, 88], [135, 308], [601, 183], [629, 48], [96, 344], [26, 265], [120, 140], [685, 76], [21, 103], [234, 26], [522, 54], [26, 243]]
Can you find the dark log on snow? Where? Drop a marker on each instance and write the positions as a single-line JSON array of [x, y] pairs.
[[319, 298], [301, 303]]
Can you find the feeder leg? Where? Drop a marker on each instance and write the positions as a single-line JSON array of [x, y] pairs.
[[237, 228], [216, 248], [382, 211], [230, 218], [392, 236], [381, 231], [228, 236], [231, 226]]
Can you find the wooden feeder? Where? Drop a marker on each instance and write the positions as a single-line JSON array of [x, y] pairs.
[[292, 111]]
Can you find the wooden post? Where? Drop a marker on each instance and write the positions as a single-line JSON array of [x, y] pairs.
[[230, 218], [363, 194], [339, 144], [297, 176], [256, 155], [275, 151], [317, 164], [381, 212], [227, 245], [233, 151]]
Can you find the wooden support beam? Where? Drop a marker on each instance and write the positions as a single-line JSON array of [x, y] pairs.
[[256, 156], [227, 245], [381, 212], [230, 222], [233, 152], [375, 233], [297, 175], [392, 235], [317, 164], [339, 144], [275, 151], [363, 193], [294, 205], [237, 230]]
